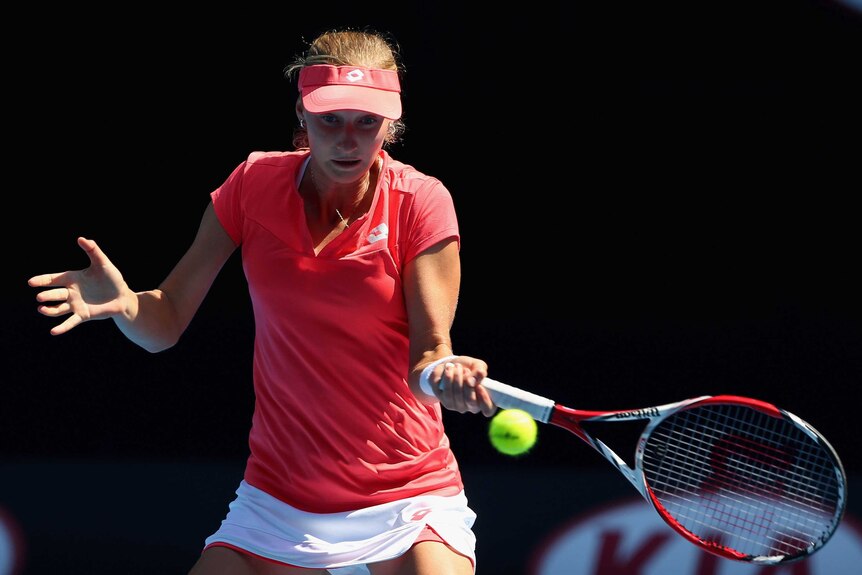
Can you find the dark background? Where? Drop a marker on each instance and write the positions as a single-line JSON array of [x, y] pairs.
[[656, 202]]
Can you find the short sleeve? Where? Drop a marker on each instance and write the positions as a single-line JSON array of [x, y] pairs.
[[228, 205], [431, 220]]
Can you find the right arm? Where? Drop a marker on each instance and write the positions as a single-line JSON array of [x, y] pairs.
[[153, 319]]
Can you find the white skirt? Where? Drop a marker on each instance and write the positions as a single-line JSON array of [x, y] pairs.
[[342, 542]]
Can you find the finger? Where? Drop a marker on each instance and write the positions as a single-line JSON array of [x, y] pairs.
[[73, 321], [470, 394], [445, 384], [489, 408], [58, 294], [460, 388], [94, 252], [45, 280], [55, 310]]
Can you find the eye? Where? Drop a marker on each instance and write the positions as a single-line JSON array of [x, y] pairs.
[[328, 118], [370, 120]]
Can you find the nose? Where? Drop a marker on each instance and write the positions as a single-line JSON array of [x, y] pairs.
[[347, 138]]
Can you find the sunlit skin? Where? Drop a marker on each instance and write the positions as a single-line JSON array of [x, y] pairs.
[[342, 170], [346, 143]]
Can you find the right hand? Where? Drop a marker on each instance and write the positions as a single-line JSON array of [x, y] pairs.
[[96, 292], [457, 386]]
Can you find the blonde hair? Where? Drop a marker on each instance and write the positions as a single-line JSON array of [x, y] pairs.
[[366, 48]]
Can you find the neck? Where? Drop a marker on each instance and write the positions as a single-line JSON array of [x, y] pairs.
[[341, 204]]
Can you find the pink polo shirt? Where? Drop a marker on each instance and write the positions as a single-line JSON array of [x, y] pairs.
[[335, 426]]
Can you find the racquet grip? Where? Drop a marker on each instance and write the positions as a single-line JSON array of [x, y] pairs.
[[508, 397]]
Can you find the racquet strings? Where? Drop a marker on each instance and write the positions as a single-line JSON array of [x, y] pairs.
[[744, 483]]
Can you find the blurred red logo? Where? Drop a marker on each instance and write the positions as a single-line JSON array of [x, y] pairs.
[[629, 538]]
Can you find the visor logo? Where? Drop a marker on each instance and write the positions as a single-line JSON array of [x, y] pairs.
[[355, 75]]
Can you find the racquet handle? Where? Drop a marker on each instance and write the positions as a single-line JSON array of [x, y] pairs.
[[504, 396], [508, 397]]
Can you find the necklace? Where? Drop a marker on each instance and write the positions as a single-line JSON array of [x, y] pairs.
[[337, 213]]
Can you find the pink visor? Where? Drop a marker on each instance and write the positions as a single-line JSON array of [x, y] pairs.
[[326, 88]]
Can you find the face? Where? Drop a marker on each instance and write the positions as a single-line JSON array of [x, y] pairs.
[[345, 143]]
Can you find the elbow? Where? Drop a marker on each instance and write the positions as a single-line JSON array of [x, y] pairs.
[[155, 345]]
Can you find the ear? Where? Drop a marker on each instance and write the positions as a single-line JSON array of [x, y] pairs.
[[300, 111]]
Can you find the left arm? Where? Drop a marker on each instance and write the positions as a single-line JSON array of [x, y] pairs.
[[432, 282]]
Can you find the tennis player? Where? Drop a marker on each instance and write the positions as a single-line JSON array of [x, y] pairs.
[[352, 263]]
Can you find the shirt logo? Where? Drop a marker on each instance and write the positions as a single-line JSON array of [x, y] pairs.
[[355, 75], [420, 515], [381, 232]]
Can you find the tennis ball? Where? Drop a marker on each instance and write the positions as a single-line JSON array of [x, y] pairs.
[[513, 431]]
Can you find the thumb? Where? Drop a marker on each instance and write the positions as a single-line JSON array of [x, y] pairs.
[[94, 252]]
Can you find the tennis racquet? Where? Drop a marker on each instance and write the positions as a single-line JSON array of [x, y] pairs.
[[736, 476]]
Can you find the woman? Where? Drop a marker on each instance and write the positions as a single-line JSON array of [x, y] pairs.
[[352, 263]]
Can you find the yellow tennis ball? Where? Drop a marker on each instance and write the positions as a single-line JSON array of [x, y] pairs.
[[513, 431]]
